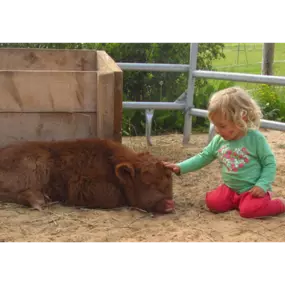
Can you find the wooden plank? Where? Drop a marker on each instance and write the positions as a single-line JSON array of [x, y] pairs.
[[46, 91], [48, 126], [105, 105], [47, 59], [106, 64], [118, 106]]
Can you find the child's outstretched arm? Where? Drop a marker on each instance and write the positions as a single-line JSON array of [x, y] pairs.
[[268, 162], [196, 162]]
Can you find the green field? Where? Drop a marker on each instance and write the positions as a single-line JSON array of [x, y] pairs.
[[247, 58]]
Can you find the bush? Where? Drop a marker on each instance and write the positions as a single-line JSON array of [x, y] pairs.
[[271, 101]]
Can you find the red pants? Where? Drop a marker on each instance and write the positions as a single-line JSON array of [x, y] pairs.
[[224, 199]]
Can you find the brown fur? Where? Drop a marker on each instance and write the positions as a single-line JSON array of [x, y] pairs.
[[91, 173]]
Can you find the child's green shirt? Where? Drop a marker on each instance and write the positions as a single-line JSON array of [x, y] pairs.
[[245, 163]]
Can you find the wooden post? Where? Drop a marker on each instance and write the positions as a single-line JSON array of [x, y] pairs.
[[268, 58]]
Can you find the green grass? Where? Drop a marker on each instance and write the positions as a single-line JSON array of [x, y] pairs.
[[247, 59]]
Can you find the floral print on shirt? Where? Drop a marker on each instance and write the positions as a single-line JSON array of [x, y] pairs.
[[233, 159]]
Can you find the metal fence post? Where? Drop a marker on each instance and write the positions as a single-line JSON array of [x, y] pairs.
[[190, 93]]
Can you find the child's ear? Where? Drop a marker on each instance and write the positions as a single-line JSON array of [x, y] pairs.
[[244, 116]]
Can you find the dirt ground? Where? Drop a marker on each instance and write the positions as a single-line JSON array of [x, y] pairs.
[[191, 221]]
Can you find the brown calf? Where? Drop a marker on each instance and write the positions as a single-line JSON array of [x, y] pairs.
[[90, 173]]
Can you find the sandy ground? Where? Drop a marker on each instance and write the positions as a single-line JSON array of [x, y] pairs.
[[191, 222]]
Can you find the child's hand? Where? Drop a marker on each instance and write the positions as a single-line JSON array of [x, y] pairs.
[[172, 166], [257, 192]]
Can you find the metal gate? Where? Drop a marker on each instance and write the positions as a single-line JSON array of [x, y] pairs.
[[185, 101]]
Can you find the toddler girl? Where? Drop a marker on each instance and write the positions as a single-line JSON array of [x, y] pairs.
[[247, 162]]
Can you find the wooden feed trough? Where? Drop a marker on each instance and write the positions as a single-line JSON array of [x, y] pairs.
[[59, 94]]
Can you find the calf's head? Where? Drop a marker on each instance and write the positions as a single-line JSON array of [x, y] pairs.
[[147, 183]]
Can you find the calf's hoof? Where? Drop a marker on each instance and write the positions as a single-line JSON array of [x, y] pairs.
[[37, 207]]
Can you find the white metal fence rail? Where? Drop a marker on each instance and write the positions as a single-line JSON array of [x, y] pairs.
[[185, 101]]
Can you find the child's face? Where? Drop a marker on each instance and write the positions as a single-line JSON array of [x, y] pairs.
[[226, 129]]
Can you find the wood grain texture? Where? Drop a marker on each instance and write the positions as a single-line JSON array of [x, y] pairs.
[[42, 89], [47, 59], [48, 91], [46, 126]]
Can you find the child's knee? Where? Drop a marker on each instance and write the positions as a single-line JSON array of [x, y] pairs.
[[256, 209], [214, 204], [247, 213], [262, 208]]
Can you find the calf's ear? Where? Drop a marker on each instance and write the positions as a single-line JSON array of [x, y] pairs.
[[124, 171]]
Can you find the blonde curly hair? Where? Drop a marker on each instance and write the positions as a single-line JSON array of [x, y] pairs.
[[236, 105]]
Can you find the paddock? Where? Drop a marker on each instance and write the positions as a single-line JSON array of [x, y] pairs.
[[191, 222]]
